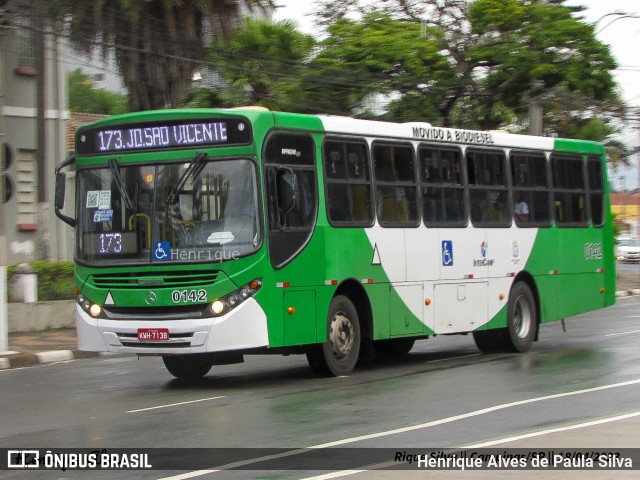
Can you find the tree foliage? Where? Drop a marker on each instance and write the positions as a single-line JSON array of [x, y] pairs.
[[384, 55], [535, 47], [84, 97], [500, 55], [261, 62], [464, 63], [157, 43]]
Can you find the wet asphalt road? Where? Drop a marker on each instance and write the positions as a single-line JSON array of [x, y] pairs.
[[571, 389]]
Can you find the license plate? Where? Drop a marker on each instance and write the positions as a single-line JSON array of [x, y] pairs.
[[153, 334]]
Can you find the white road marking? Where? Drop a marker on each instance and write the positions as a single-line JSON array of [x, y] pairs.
[[554, 430], [622, 333], [174, 404], [433, 423], [187, 475], [345, 473], [454, 358]]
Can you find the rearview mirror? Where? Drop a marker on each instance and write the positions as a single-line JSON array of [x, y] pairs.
[[287, 192], [61, 179]]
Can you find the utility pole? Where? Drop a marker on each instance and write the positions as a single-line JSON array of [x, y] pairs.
[[4, 321], [535, 117], [536, 110], [41, 139]]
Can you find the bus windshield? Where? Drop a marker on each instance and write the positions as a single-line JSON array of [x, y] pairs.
[[200, 210]]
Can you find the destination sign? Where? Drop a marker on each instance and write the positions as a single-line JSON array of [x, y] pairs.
[[110, 244], [168, 135]]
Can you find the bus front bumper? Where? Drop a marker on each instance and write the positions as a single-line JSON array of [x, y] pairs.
[[243, 328]]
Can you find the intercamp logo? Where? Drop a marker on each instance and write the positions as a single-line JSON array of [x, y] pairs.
[[484, 261], [484, 246]]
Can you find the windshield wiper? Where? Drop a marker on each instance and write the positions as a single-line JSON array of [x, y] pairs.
[[113, 166], [194, 169]]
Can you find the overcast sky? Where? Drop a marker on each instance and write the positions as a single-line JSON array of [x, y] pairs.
[[621, 32]]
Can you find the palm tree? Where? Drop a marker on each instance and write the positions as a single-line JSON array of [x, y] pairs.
[[157, 43], [263, 61]]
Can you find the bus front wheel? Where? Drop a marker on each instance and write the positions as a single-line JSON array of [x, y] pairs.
[[522, 323], [339, 353], [187, 366]]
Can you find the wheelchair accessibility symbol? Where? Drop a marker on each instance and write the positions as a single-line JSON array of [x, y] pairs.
[[447, 253], [162, 251]]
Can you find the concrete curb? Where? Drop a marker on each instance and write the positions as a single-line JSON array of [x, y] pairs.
[[27, 359]]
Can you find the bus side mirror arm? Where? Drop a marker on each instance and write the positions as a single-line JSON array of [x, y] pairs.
[[61, 179]]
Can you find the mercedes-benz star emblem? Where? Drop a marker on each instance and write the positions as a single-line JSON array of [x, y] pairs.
[[150, 298]]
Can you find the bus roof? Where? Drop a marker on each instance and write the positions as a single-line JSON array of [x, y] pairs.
[[342, 125]]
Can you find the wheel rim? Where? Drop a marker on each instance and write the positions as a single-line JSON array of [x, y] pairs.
[[522, 317], [341, 335]]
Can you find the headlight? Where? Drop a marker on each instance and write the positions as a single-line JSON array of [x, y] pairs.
[[217, 307], [224, 305], [95, 310], [92, 309]]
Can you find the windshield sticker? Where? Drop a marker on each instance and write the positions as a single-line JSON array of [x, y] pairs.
[[104, 201], [92, 198], [220, 237], [103, 216], [161, 251], [99, 199]]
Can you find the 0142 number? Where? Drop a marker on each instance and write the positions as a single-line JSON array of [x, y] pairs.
[[189, 296]]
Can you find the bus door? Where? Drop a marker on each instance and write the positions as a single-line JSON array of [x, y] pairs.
[[292, 204]]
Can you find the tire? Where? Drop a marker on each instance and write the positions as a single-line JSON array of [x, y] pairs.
[[522, 318], [187, 366], [394, 347], [339, 353], [490, 341], [522, 324]]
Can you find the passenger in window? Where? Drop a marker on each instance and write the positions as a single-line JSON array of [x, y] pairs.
[[520, 208]]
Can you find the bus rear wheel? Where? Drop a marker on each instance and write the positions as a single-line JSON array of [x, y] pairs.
[[522, 324], [188, 367], [339, 353]]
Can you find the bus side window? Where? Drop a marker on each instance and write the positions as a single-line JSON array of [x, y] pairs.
[[596, 190], [569, 190], [396, 185], [442, 186], [488, 188], [530, 189], [347, 183]]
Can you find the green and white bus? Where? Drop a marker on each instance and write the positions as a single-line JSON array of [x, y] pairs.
[[206, 235]]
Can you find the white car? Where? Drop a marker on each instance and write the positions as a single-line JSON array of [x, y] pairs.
[[628, 250]]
